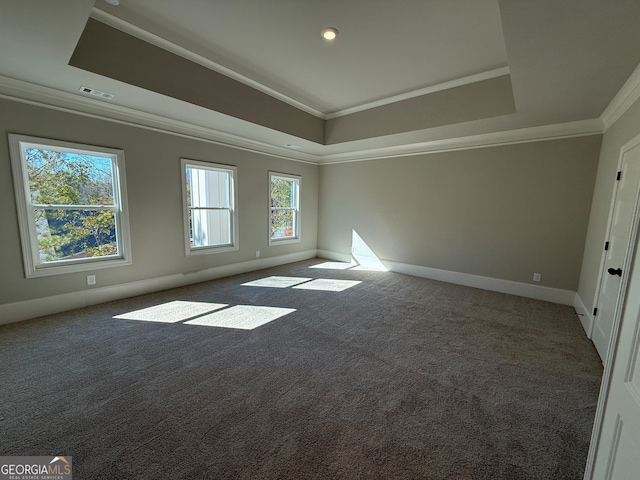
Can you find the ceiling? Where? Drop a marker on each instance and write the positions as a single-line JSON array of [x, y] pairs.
[[384, 48], [400, 73]]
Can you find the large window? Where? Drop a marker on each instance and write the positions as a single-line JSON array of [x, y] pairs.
[[71, 206], [284, 218], [210, 207]]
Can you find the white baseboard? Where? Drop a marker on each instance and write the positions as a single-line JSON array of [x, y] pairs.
[[335, 256], [17, 311], [548, 294], [584, 315]]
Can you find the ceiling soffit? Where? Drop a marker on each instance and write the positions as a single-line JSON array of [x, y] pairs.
[[107, 51]]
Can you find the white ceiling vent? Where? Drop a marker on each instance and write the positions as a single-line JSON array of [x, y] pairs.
[[96, 93]]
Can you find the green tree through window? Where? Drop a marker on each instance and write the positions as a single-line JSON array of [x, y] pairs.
[[69, 193], [71, 205]]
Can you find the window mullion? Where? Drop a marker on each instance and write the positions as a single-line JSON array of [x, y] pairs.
[[48, 206]]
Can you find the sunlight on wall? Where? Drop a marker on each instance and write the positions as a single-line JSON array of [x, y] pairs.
[[363, 255]]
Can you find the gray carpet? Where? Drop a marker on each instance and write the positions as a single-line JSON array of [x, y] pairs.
[[394, 377]]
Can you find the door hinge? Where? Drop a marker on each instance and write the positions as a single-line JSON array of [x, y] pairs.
[[595, 312], [606, 245], [619, 176]]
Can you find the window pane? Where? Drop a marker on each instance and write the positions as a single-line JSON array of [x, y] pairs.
[[75, 234], [62, 178], [282, 192], [282, 224], [208, 188], [210, 228]]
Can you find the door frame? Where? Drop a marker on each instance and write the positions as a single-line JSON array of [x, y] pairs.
[[632, 254], [614, 195]]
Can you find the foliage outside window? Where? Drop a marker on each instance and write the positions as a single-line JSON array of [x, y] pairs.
[[210, 214], [71, 205], [284, 218]]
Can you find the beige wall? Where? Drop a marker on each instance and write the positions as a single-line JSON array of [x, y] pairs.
[[155, 201], [503, 212], [626, 128]]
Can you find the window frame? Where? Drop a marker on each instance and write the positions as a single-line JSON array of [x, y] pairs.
[[232, 170], [297, 209], [33, 267]]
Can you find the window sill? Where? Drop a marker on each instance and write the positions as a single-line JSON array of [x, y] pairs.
[[50, 270], [211, 250], [284, 241]]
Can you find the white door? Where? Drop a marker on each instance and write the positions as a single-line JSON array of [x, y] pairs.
[[615, 445], [618, 248]]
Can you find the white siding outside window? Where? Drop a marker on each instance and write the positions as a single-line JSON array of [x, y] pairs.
[[210, 213]]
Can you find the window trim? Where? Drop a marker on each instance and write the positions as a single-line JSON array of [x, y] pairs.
[[297, 210], [233, 173], [33, 268]]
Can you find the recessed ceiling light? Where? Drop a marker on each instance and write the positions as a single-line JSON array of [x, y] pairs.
[[329, 33]]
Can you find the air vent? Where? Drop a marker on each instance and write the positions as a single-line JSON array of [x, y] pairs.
[[96, 93]]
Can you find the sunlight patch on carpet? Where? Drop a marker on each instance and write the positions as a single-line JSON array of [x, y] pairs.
[[244, 317], [328, 285], [171, 312], [276, 282], [335, 265], [366, 268]]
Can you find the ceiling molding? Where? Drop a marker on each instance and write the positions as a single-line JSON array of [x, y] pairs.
[[478, 77], [46, 97], [541, 133], [145, 35], [153, 39], [50, 98], [622, 101]]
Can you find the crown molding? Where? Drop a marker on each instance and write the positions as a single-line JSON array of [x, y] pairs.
[[158, 41], [153, 39], [458, 82], [622, 101], [581, 128], [24, 92]]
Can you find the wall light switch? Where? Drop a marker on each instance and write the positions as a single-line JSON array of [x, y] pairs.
[[91, 279], [537, 277]]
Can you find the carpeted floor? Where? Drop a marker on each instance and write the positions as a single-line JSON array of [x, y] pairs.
[[350, 375]]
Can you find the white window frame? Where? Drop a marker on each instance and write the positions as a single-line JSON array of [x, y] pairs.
[[233, 174], [26, 209], [297, 215]]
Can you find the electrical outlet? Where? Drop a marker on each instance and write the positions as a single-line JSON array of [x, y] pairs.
[[91, 279], [537, 277], [257, 253]]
